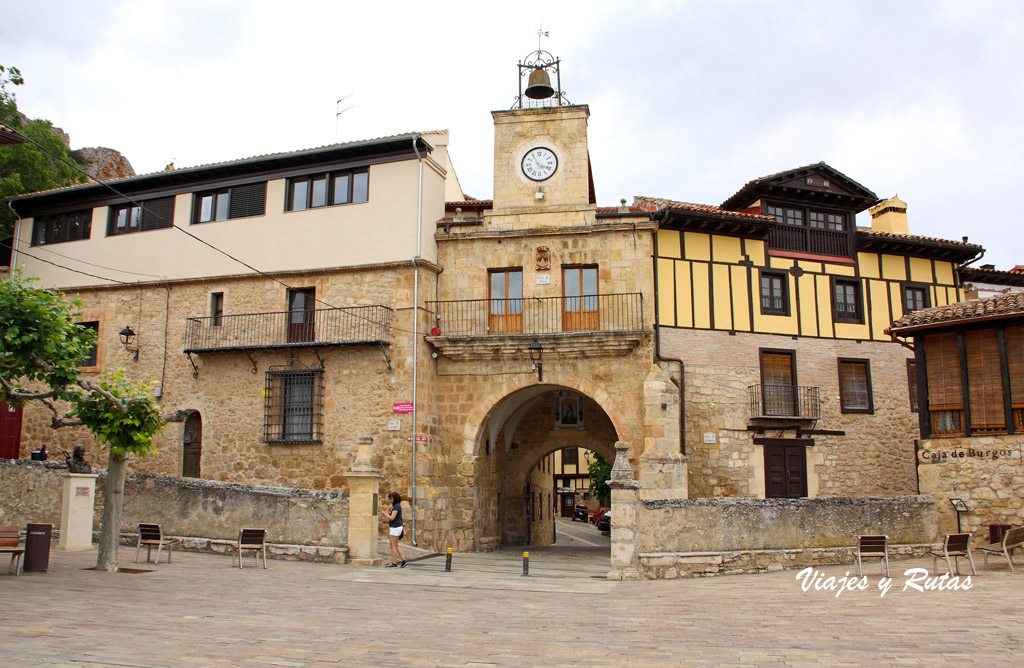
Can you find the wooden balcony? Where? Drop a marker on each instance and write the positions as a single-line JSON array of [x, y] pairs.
[[786, 402], [810, 240], [290, 329]]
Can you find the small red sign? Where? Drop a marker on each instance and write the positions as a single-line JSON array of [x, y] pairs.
[[403, 407]]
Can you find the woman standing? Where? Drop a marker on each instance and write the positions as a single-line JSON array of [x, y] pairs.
[[395, 530]]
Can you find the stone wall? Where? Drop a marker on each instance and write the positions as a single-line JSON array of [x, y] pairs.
[[30, 491], [985, 472]]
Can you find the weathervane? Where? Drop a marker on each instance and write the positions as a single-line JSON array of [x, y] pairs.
[[536, 68]]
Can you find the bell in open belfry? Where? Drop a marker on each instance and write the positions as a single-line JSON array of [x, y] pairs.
[[539, 87]]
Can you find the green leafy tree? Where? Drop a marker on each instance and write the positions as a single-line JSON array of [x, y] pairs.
[[26, 168], [41, 348], [600, 472]]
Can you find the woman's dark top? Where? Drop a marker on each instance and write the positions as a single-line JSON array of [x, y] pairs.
[[397, 522]]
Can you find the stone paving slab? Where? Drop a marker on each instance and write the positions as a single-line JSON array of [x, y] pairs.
[[202, 610]]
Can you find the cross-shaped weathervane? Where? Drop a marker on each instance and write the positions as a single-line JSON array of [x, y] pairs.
[[541, 33]]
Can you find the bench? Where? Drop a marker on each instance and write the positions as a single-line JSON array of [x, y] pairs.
[[9, 538], [1012, 539], [873, 547], [252, 539], [152, 535], [955, 545]]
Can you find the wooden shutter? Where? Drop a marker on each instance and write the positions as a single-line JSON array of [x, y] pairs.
[[248, 200], [945, 389], [854, 389], [777, 369], [1015, 361], [158, 213], [984, 380]]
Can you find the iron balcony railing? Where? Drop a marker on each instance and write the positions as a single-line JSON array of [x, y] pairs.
[[289, 329], [784, 401], [539, 315]]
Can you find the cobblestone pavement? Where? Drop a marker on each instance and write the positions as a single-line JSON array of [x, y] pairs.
[[201, 610]]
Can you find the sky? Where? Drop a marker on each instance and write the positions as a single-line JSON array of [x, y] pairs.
[[689, 100]]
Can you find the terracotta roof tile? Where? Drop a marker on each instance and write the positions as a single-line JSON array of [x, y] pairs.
[[916, 238], [471, 202], [660, 203], [635, 208], [1002, 305]]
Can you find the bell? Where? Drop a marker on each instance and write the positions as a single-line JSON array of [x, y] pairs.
[[539, 87]]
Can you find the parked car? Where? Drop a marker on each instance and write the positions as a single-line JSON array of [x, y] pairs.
[[597, 513], [604, 521], [580, 512]]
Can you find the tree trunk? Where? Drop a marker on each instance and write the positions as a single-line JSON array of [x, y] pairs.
[[110, 527]]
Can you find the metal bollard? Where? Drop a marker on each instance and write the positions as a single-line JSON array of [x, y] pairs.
[[448, 561], [526, 564]]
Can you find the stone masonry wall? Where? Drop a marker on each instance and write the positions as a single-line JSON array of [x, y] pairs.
[[875, 457], [985, 472]]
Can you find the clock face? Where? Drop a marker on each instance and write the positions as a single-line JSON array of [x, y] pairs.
[[540, 163]]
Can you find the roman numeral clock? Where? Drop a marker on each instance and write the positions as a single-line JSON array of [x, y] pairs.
[[539, 164]]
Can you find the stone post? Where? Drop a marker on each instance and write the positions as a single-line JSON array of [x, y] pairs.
[[625, 559], [662, 469], [363, 503], [78, 494]]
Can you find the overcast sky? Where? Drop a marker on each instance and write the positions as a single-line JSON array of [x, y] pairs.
[[688, 100]]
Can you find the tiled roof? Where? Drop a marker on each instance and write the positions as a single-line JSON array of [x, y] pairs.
[[471, 202], [634, 209], [1013, 277], [1002, 305], [913, 238], [660, 203], [9, 136], [821, 165]]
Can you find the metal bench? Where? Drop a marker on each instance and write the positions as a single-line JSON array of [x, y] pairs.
[[869, 547], [1012, 539], [9, 538], [152, 535], [955, 545], [252, 539]]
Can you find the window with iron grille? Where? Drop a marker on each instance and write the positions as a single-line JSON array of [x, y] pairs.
[[317, 190], [154, 214], [293, 406], [60, 227], [234, 202]]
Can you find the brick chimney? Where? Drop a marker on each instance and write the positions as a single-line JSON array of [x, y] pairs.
[[890, 216]]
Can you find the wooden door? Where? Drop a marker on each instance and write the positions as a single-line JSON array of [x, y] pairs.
[[301, 315], [193, 447], [580, 312], [568, 504], [10, 431], [506, 301], [785, 468]]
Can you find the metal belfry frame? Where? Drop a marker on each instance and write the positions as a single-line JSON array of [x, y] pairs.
[[541, 60]]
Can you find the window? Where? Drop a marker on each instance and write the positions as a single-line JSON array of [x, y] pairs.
[[293, 406], [301, 315], [778, 381], [216, 308], [846, 301], [570, 456], [506, 301], [945, 388], [855, 386], [1014, 337], [154, 214], [810, 231], [318, 190], [774, 300], [233, 202], [826, 221], [579, 285], [985, 381], [915, 298], [91, 359], [912, 384], [61, 227]]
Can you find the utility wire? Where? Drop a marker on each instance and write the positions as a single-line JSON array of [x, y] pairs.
[[84, 273], [91, 264]]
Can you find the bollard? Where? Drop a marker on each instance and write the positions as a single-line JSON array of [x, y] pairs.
[[526, 564], [448, 561]]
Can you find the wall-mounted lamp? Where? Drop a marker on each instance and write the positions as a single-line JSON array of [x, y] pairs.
[[536, 355], [127, 334]]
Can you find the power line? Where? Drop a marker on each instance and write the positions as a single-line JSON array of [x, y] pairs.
[[91, 264], [84, 273]]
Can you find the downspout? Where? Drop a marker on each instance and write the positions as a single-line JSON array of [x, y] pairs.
[[415, 330], [657, 348], [15, 238]]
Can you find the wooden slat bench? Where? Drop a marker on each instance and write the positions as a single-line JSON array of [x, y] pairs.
[[9, 538], [1012, 539]]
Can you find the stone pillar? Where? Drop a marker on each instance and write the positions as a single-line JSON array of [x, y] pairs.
[[78, 494], [625, 559], [661, 466], [363, 506]]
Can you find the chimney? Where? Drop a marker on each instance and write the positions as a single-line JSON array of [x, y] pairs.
[[890, 216]]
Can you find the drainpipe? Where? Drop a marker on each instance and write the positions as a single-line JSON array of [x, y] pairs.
[[415, 330], [657, 350]]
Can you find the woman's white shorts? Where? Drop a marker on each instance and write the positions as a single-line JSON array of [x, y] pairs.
[[395, 531]]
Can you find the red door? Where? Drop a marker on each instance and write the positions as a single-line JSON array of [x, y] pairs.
[[10, 431]]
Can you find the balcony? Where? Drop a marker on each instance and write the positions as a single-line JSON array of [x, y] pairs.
[[590, 325], [290, 329], [809, 240], [788, 402]]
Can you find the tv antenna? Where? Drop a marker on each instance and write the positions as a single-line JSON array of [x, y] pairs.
[[338, 112]]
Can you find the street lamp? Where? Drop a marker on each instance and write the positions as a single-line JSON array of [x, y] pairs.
[[127, 334], [536, 355]]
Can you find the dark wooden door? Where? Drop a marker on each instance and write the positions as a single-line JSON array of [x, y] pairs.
[[301, 315], [10, 431], [568, 504], [193, 447], [785, 469]]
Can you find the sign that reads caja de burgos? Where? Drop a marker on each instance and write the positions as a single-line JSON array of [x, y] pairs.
[[403, 407], [961, 454]]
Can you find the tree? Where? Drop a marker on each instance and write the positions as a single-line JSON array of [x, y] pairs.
[[600, 472], [26, 168], [41, 348]]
